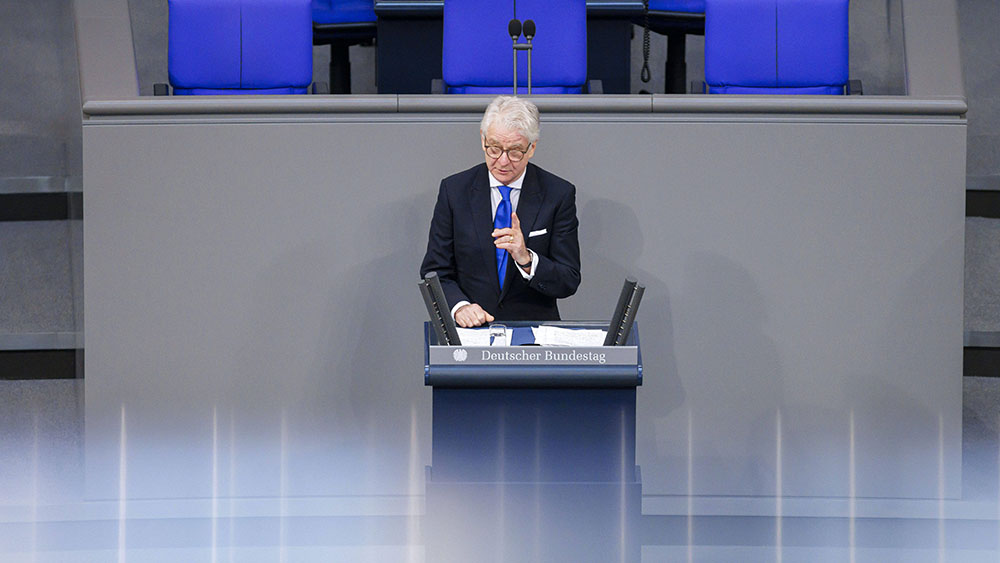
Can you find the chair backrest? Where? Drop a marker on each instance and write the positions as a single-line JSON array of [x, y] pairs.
[[679, 6], [776, 46], [343, 11], [240, 46], [477, 53]]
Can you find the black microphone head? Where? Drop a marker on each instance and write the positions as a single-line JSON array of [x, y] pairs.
[[514, 29], [529, 29]]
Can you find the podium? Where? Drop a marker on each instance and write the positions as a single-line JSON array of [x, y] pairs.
[[533, 450]]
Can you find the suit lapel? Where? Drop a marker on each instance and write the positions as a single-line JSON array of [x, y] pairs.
[[529, 202], [482, 220], [527, 209]]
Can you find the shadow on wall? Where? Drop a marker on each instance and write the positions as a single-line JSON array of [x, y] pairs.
[[909, 437], [360, 415], [612, 243], [737, 370]]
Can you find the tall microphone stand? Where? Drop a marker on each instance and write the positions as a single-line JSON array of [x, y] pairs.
[[529, 34], [514, 30]]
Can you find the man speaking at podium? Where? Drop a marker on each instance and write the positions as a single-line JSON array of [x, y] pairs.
[[503, 238]]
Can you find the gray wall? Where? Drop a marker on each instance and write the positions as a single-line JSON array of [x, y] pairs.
[[39, 87], [979, 20], [40, 151], [251, 263], [250, 296]]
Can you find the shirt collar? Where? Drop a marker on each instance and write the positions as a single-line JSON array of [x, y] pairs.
[[516, 184]]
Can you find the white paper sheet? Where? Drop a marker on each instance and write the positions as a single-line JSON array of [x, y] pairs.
[[481, 336], [557, 336]]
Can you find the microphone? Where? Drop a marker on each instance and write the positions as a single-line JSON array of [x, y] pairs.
[[514, 30], [529, 29], [529, 34]]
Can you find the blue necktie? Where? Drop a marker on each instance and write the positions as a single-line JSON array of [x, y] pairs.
[[502, 221]]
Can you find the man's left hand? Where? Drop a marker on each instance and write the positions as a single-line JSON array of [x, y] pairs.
[[512, 240]]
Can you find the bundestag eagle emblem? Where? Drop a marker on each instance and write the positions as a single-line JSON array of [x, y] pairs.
[[460, 355]]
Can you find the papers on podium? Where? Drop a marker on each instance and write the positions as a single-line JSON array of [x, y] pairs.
[[546, 335], [481, 337]]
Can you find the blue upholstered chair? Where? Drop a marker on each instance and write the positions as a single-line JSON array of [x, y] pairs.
[[676, 19], [340, 24], [240, 46], [776, 46], [337, 12], [477, 53]]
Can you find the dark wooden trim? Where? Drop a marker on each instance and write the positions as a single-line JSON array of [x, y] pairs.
[[41, 364], [68, 364], [982, 203], [47, 206], [981, 362]]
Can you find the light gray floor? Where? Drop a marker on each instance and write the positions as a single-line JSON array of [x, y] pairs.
[[41, 445]]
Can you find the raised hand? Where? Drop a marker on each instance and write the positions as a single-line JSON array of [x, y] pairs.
[[512, 240]]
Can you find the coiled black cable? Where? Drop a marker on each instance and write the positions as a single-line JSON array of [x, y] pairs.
[[644, 73]]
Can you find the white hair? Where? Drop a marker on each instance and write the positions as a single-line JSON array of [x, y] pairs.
[[513, 113]]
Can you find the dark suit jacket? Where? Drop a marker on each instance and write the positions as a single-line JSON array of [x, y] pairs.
[[460, 248]]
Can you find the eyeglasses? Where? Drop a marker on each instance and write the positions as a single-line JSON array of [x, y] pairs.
[[514, 155]]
